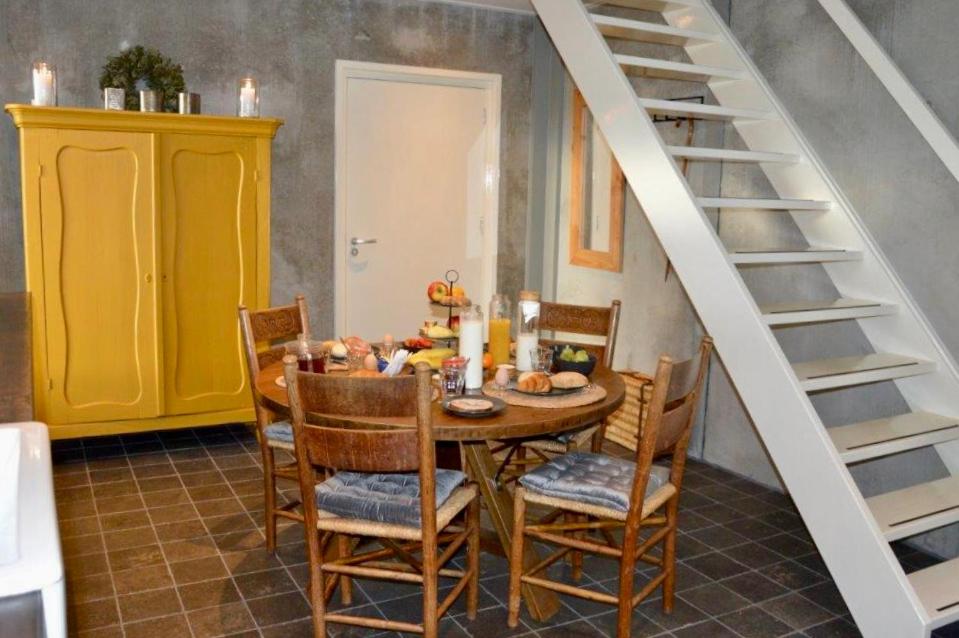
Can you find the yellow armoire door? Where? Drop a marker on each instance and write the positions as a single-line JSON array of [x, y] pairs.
[[99, 294], [208, 267]]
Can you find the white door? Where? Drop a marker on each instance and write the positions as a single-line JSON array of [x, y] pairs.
[[417, 165]]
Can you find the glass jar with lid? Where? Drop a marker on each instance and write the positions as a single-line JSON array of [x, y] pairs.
[[527, 328]]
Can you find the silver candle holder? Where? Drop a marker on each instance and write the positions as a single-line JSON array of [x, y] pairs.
[[114, 99], [149, 101], [188, 103]]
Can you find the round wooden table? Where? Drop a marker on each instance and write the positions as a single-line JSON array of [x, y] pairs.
[[514, 422]]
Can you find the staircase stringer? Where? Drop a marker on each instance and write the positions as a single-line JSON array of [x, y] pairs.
[[868, 572], [908, 331]]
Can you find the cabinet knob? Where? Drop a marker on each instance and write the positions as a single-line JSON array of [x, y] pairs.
[[149, 278]]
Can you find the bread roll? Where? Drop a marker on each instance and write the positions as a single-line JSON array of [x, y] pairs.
[[534, 382], [569, 380]]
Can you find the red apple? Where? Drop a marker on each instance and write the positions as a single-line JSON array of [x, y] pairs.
[[437, 290], [454, 323]]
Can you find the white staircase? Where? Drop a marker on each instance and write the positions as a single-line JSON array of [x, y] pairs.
[[853, 533]]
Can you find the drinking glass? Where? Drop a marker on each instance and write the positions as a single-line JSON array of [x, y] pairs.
[[452, 378], [542, 359]]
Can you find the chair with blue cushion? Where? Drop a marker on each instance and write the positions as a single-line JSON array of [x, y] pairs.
[[563, 320], [605, 494], [384, 485], [263, 333]]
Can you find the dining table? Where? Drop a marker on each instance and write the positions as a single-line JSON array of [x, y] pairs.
[[474, 436]]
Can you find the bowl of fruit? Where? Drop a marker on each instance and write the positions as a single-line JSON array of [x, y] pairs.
[[570, 358]]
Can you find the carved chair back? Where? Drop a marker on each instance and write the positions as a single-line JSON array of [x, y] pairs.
[[584, 320], [261, 329], [326, 442]]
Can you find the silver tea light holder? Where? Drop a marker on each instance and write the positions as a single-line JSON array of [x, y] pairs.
[[188, 103], [114, 99], [149, 101]]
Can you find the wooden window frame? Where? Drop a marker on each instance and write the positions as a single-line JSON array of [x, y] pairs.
[[612, 259]]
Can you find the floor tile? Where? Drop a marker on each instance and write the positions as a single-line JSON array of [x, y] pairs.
[[149, 604], [753, 622]]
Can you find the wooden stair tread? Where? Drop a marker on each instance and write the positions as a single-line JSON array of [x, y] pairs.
[[730, 155], [881, 437], [938, 589], [654, 5], [639, 31], [817, 311], [916, 509], [838, 372], [669, 70], [810, 254], [701, 111], [767, 204]]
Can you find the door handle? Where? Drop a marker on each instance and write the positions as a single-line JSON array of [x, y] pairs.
[[356, 241]]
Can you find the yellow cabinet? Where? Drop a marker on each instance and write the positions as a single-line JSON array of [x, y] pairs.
[[142, 233]]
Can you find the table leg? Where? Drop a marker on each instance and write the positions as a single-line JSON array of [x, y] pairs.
[[541, 603]]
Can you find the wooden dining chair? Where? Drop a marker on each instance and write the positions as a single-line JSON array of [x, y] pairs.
[[262, 330], [604, 494], [384, 485], [577, 320]]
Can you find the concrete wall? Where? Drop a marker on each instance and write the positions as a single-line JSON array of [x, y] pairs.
[[290, 47]]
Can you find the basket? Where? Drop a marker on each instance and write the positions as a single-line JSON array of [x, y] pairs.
[[624, 425]]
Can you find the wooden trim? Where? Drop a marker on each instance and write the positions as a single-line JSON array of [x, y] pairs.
[[612, 259], [27, 116]]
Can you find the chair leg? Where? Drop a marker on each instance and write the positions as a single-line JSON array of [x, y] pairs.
[[473, 558], [269, 496], [516, 555], [627, 573], [669, 557], [575, 556], [345, 548], [318, 598], [430, 594]]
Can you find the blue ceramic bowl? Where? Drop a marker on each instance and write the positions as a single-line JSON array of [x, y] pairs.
[[583, 367]]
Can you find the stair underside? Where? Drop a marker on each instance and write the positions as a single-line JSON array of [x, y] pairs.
[[793, 255], [762, 204], [817, 311], [639, 31], [701, 111], [653, 5], [825, 374], [872, 439], [938, 589], [730, 155], [669, 70], [916, 509]]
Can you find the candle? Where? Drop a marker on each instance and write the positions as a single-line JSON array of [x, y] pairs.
[[249, 105], [44, 84]]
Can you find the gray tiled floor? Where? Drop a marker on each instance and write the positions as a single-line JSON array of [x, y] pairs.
[[162, 534]]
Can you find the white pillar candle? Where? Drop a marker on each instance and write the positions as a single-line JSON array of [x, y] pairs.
[[248, 106], [471, 346], [44, 85]]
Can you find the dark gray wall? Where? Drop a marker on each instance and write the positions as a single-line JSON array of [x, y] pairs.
[[290, 47]]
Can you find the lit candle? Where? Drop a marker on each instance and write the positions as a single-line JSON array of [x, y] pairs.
[[44, 84], [249, 104]]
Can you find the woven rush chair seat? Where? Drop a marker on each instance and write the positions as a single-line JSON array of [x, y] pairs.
[[383, 498], [602, 482], [564, 442], [279, 435]]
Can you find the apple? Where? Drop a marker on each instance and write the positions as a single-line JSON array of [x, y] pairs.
[[454, 323], [437, 290]]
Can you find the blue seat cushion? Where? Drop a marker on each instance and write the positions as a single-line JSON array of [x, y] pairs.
[[280, 431], [385, 498], [597, 479]]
